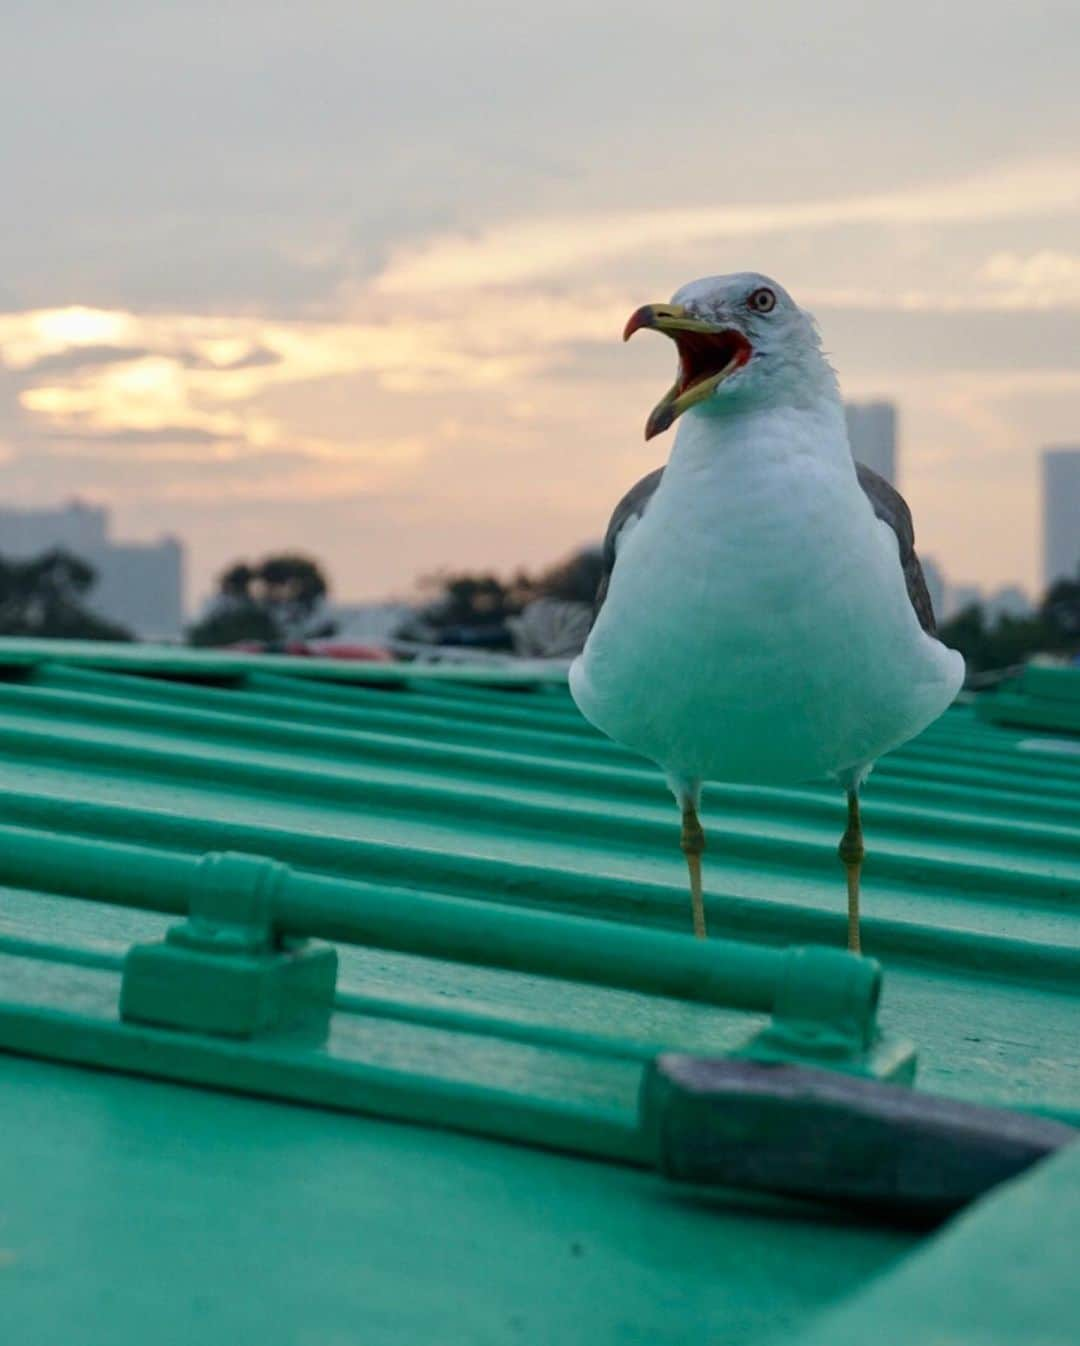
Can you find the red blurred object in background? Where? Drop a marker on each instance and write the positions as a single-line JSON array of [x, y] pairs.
[[318, 649]]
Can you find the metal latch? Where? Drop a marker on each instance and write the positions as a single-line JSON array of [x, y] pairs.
[[227, 969]]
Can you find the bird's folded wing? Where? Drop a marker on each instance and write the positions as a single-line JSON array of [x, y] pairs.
[[888, 504], [627, 512]]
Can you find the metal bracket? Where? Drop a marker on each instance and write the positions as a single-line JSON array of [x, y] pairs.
[[227, 969], [825, 1013]]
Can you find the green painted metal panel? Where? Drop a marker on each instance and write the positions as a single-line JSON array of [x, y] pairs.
[[138, 1213], [1004, 1272], [1054, 681], [970, 887], [482, 852], [1044, 696]]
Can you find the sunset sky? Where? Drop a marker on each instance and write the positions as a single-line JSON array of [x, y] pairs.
[[350, 278]]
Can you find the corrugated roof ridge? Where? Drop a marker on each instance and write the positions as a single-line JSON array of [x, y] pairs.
[[485, 877], [187, 661], [299, 711], [497, 707], [191, 756], [639, 779]]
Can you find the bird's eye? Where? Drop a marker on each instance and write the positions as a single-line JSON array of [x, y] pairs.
[[762, 301]]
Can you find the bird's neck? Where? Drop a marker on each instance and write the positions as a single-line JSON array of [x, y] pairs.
[[758, 436]]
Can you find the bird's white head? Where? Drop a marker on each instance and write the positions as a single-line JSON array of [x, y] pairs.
[[742, 340]]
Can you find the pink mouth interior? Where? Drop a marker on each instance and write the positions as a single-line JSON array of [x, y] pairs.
[[702, 355]]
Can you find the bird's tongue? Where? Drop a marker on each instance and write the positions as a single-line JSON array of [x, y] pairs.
[[703, 355]]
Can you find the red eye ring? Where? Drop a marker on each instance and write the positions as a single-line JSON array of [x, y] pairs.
[[762, 301]]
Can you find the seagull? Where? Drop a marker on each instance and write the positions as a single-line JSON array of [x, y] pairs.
[[762, 616]]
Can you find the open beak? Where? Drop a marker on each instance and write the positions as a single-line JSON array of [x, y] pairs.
[[708, 354]]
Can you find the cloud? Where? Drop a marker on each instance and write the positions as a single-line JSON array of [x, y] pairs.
[[1044, 279], [106, 471], [174, 435], [197, 378], [76, 356], [967, 295], [80, 357], [492, 316], [257, 357], [27, 338], [478, 388], [536, 249]]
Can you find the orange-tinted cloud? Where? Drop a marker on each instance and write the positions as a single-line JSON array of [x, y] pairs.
[[478, 388]]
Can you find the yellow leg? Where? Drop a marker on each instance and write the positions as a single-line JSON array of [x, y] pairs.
[[852, 853], [693, 843]]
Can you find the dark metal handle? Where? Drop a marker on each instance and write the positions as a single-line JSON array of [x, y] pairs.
[[833, 1137]]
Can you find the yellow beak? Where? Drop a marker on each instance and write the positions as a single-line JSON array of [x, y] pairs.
[[708, 354]]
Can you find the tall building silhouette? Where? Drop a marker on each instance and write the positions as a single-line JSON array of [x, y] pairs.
[[871, 428], [139, 584], [1061, 513]]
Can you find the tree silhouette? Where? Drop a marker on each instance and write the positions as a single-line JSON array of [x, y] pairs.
[[574, 580], [482, 610], [276, 600], [45, 597], [1061, 608], [1053, 629], [467, 610]]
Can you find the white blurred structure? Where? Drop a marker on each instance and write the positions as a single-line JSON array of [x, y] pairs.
[[1008, 601], [1061, 513], [961, 596], [139, 584], [871, 428], [551, 628], [367, 622]]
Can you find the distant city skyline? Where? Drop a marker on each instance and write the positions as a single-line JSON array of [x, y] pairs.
[[1061, 513], [140, 585], [871, 430]]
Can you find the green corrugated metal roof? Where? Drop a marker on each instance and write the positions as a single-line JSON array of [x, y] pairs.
[[121, 766], [1043, 696]]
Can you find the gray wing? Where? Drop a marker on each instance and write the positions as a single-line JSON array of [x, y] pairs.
[[891, 507], [629, 509], [888, 504]]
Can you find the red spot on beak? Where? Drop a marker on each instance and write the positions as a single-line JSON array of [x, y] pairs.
[[641, 317]]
